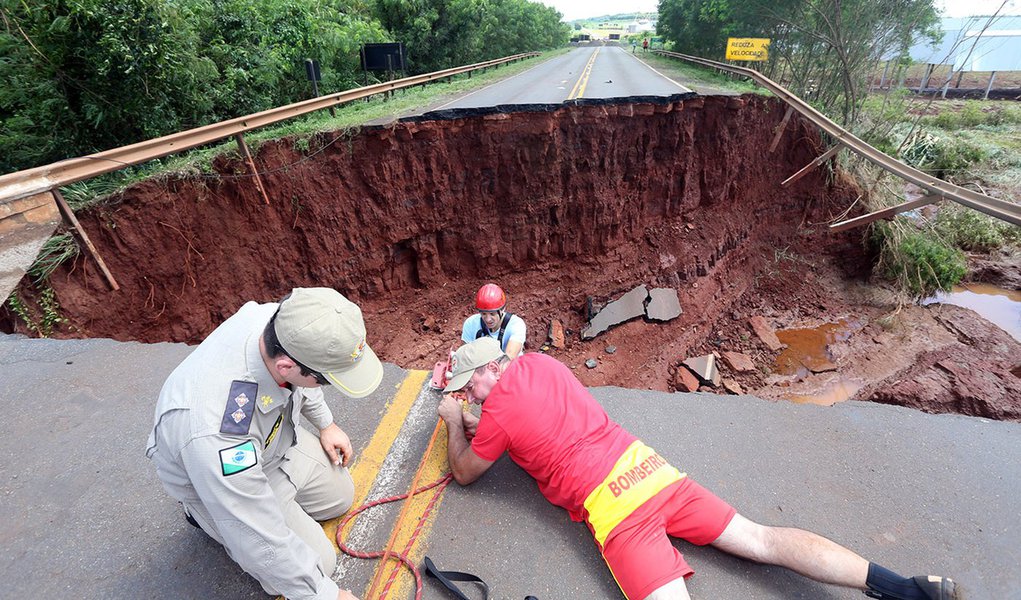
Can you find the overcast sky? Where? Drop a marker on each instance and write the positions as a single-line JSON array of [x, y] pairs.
[[580, 9]]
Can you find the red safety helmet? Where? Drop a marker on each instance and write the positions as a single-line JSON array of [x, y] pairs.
[[490, 297]]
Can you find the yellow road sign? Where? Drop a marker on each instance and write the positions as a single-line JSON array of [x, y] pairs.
[[747, 48]]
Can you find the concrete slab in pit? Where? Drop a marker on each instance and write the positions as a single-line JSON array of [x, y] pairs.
[[83, 512]]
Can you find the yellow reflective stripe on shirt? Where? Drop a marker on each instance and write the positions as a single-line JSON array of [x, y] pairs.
[[640, 474]]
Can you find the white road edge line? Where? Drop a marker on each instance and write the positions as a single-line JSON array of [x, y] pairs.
[[388, 480], [442, 106], [657, 72]]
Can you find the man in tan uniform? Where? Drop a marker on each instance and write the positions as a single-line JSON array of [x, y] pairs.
[[226, 441]]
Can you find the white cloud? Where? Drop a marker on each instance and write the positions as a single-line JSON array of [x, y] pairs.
[[970, 8], [580, 9]]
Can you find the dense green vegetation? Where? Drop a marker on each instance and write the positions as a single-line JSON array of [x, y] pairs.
[[974, 144], [80, 76], [823, 50]]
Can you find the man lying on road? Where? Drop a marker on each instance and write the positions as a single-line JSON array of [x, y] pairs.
[[630, 497]]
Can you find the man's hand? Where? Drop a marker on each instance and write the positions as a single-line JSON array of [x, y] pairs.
[[450, 409], [470, 423], [333, 438], [346, 595]]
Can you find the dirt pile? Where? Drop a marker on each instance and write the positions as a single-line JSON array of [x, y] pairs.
[[564, 207]]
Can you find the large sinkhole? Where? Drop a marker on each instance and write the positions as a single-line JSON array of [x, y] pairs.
[[558, 204]]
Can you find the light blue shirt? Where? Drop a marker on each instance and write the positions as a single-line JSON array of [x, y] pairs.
[[515, 331]]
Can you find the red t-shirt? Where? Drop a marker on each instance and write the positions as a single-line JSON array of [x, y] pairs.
[[553, 428]]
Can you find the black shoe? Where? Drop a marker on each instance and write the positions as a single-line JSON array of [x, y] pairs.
[[191, 520], [933, 586], [937, 588]]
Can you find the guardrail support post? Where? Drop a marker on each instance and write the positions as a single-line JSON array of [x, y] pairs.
[[885, 213], [251, 166], [812, 165], [780, 129], [992, 76], [68, 215]]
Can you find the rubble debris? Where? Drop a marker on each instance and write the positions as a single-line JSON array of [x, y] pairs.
[[705, 368], [663, 304], [611, 349], [659, 304], [765, 333], [685, 381], [629, 306], [732, 386], [738, 362], [591, 363], [430, 324], [556, 334]]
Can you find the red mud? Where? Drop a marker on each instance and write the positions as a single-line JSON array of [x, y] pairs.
[[555, 205]]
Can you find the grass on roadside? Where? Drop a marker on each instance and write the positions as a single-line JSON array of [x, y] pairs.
[[305, 130], [701, 79]]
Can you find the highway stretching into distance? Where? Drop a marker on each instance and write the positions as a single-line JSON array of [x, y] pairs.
[[585, 72]]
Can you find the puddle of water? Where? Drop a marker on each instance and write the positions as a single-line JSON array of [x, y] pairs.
[[808, 349], [807, 352], [837, 391], [996, 305]]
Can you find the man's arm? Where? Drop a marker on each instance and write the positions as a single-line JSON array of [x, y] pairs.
[[513, 349], [228, 477], [465, 465]]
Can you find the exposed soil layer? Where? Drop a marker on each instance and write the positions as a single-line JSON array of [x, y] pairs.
[[557, 204]]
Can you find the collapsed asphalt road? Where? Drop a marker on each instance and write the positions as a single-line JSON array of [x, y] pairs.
[[83, 512]]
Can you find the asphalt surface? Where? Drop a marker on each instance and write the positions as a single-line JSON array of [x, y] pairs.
[[584, 72], [84, 514]]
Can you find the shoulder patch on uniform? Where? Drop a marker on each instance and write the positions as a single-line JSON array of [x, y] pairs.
[[238, 458], [237, 415]]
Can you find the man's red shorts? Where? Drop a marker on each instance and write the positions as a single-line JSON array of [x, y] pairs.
[[638, 550]]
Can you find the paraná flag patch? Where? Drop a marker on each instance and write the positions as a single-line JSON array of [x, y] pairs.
[[238, 458]]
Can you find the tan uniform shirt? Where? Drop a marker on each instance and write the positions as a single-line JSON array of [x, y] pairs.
[[221, 424]]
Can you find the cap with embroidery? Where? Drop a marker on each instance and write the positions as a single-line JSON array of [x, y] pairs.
[[470, 357], [324, 331]]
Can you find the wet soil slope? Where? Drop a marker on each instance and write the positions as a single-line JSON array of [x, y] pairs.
[[556, 204]]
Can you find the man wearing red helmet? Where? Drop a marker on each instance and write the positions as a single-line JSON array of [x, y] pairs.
[[494, 321]]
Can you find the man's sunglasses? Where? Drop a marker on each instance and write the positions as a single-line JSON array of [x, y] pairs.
[[307, 372]]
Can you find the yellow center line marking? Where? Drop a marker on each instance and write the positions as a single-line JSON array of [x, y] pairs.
[[433, 466], [579, 87], [368, 463]]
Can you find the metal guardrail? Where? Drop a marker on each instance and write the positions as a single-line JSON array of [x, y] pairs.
[[994, 207], [49, 177]]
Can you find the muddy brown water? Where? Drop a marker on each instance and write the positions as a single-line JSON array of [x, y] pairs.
[[999, 306], [561, 205]]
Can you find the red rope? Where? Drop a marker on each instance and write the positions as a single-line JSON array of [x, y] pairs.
[[441, 483]]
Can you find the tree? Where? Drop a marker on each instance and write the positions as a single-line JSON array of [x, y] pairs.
[[824, 49]]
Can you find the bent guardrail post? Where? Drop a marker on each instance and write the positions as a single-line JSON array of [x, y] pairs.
[[68, 215], [812, 165], [885, 213]]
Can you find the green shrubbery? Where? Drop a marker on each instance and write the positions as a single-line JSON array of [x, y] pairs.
[[917, 261], [947, 157], [82, 76], [972, 230]]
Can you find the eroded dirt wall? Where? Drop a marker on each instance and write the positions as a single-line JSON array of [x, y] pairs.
[[409, 219]]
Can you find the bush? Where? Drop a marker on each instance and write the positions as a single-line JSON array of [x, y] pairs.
[[947, 158], [917, 262], [971, 230]]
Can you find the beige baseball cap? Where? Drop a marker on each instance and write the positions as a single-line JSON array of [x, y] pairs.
[[470, 357], [324, 331]]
